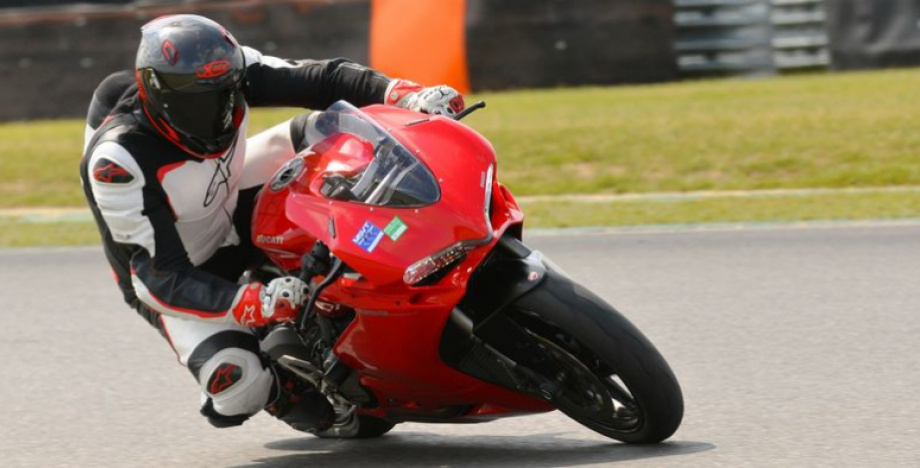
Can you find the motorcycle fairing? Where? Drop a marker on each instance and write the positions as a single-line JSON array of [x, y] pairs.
[[393, 341], [456, 156]]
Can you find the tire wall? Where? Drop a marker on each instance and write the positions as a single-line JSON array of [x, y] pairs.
[[54, 57]]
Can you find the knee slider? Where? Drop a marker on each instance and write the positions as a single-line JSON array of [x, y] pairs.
[[234, 384]]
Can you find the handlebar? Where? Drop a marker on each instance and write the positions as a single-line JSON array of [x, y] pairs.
[[469, 110], [338, 267]]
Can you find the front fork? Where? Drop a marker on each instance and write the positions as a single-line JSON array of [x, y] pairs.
[[481, 339], [513, 360]]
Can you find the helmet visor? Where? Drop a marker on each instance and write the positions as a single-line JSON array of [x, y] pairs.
[[219, 74], [204, 116]]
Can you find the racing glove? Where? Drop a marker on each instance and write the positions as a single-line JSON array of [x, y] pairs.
[[279, 301], [442, 100]]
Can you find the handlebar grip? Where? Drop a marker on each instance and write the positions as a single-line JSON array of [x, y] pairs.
[[469, 110]]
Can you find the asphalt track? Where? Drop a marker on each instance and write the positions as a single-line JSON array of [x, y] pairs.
[[795, 347]]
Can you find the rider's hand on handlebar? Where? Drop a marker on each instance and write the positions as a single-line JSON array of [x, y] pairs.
[[279, 301], [442, 99]]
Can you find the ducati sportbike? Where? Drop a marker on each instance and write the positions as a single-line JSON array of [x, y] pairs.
[[425, 305]]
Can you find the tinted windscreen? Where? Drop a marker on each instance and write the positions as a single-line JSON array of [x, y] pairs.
[[395, 177]]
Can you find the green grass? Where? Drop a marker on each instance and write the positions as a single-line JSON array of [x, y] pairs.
[[846, 130], [19, 234], [805, 131], [823, 207], [39, 164], [824, 130]]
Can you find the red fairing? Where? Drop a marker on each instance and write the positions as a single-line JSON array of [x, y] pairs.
[[393, 342]]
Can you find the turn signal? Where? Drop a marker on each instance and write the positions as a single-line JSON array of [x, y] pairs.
[[432, 264]]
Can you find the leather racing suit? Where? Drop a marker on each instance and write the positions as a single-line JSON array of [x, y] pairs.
[[176, 228]]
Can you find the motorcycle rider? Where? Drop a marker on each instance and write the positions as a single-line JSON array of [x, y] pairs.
[[171, 180]]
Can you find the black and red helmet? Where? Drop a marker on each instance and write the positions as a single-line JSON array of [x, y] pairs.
[[190, 73]]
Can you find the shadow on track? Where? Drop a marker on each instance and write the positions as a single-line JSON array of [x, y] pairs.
[[426, 449]]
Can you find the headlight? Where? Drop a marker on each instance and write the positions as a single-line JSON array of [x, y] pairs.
[[432, 264]]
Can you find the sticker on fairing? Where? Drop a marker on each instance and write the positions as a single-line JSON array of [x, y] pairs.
[[395, 229], [368, 237]]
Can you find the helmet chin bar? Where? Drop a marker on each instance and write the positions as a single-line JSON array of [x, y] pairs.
[[191, 145], [200, 147]]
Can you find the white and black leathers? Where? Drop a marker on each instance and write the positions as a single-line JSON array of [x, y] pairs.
[[162, 212], [176, 227]]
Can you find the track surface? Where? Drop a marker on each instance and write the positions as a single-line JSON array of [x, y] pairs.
[[794, 346]]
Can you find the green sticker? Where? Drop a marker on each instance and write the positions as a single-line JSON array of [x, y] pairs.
[[396, 228]]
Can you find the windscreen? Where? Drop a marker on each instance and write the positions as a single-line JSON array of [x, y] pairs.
[[395, 177]]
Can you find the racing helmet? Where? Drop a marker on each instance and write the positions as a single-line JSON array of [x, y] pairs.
[[190, 73]]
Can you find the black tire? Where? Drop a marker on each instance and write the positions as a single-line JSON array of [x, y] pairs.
[[357, 426], [574, 324]]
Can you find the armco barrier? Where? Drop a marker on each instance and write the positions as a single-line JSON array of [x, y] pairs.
[[750, 37]]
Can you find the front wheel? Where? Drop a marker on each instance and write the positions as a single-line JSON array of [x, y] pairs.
[[608, 375]]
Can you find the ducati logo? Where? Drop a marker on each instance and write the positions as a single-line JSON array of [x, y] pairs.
[[275, 240]]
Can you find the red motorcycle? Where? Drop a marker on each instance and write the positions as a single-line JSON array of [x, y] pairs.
[[426, 306]]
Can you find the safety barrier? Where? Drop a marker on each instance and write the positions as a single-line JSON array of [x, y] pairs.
[[750, 37]]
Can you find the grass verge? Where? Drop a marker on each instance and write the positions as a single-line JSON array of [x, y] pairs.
[[823, 207], [823, 130], [546, 214], [15, 233]]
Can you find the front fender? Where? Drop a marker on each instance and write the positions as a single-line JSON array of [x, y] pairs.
[[510, 271], [468, 342]]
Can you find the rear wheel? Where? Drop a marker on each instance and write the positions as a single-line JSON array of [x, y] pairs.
[[608, 376]]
